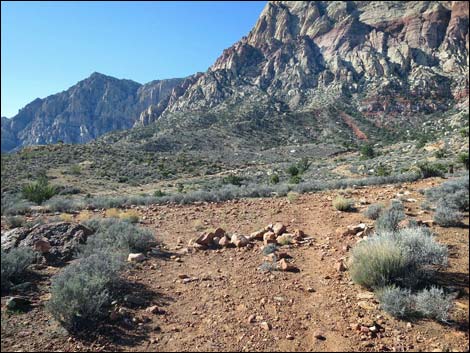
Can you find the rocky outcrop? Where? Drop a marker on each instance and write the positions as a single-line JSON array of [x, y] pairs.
[[56, 242], [89, 109], [300, 52]]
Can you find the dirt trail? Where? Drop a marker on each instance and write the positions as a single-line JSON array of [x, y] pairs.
[[212, 312]]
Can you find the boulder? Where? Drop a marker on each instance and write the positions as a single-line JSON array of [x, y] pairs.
[[57, 242]]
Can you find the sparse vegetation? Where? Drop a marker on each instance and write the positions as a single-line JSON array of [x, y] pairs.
[[343, 204], [390, 218], [374, 211], [14, 264], [447, 216]]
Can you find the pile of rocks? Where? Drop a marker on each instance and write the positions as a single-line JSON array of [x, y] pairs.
[[361, 230], [272, 234], [277, 234]]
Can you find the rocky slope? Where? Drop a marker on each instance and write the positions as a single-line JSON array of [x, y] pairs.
[[90, 108], [386, 58]]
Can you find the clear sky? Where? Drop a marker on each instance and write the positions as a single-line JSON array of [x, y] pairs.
[[46, 47]]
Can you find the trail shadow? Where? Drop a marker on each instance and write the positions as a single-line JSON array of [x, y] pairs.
[[457, 281], [162, 254]]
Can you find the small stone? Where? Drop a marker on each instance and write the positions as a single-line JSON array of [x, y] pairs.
[[285, 266], [289, 337], [18, 303], [182, 276], [279, 228], [319, 335], [340, 266], [310, 290], [239, 240], [138, 257], [266, 326], [153, 309], [251, 319]]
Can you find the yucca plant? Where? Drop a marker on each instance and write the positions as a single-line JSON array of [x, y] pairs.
[[39, 191]]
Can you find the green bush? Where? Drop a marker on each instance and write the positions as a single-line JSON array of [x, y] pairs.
[[158, 193], [367, 152], [39, 191], [274, 179], [14, 264], [343, 204], [81, 292], [295, 179], [293, 170], [15, 221]]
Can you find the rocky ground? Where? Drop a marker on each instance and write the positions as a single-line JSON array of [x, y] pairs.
[[179, 299]]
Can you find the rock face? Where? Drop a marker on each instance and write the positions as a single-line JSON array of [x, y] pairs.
[[387, 57], [92, 107], [57, 242]]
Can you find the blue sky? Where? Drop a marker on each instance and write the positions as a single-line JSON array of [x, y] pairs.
[[46, 47]]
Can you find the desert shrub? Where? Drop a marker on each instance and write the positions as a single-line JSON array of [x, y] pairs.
[[441, 153], [374, 211], [463, 159], [13, 204], [377, 262], [116, 236], [295, 179], [63, 204], [406, 256], [15, 221], [293, 170], [343, 204], [396, 301], [292, 196], [130, 216], [274, 179], [452, 193], [158, 193], [367, 151], [80, 293], [429, 170], [447, 216], [232, 179], [433, 303], [14, 264], [39, 191], [303, 165], [389, 219]]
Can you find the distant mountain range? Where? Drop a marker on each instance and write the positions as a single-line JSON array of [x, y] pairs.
[[388, 62]]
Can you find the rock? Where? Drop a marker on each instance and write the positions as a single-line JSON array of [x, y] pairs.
[[365, 295], [137, 257], [57, 242], [285, 266], [18, 303], [298, 234], [340, 267], [153, 309], [279, 228], [269, 238], [239, 240], [319, 335], [216, 241], [42, 245], [224, 241], [251, 318], [182, 276], [219, 232], [289, 337], [258, 235], [266, 326], [284, 239], [205, 238]]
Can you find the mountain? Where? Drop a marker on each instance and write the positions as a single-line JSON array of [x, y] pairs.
[[308, 72], [384, 58], [90, 108]]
